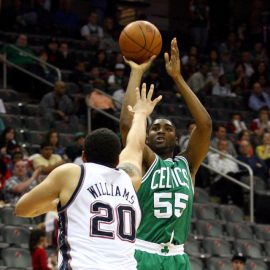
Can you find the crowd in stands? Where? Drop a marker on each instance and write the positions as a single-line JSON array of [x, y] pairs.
[[235, 67]]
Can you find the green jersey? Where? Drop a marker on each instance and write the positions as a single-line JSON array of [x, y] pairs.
[[166, 197]]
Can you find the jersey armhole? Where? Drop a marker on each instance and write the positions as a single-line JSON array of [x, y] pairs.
[[150, 169], [75, 193]]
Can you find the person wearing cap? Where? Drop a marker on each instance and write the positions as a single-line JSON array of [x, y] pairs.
[[74, 150], [238, 261], [116, 80]]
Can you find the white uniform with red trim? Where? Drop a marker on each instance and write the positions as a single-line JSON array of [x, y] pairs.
[[97, 227]]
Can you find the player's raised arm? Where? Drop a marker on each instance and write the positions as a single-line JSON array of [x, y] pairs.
[[200, 137], [132, 155], [135, 77]]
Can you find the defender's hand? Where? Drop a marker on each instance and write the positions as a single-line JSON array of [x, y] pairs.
[[139, 67], [144, 103]]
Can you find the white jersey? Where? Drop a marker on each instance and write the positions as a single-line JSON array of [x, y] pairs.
[[97, 227]]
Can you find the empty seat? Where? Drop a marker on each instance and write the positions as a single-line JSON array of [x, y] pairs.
[[217, 247], [31, 109], [209, 228], [204, 211], [12, 108], [36, 123], [63, 127], [9, 95], [11, 120], [239, 230], [16, 235], [193, 247], [35, 137], [9, 218], [16, 257], [200, 195], [250, 248], [219, 264], [252, 264], [262, 232], [231, 213], [195, 263]]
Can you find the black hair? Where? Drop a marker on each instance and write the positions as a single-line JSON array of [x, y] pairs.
[[35, 236], [102, 146], [45, 144], [49, 134], [150, 125]]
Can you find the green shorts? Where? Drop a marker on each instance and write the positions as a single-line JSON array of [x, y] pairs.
[[151, 261]]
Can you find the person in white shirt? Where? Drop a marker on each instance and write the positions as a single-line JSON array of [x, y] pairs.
[[91, 31]]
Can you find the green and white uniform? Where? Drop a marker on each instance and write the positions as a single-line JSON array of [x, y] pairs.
[[166, 197]]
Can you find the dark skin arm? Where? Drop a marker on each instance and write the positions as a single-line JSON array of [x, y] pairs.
[[201, 135]]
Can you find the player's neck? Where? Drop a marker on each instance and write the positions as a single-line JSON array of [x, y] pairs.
[[166, 155]]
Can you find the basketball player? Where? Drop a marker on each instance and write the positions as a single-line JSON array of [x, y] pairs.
[[166, 191], [98, 208]]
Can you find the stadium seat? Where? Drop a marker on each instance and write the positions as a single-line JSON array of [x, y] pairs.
[[9, 95], [63, 127], [209, 228], [201, 196], [204, 211], [36, 123], [239, 230], [231, 213], [217, 247], [17, 257], [72, 88], [219, 264], [250, 248], [193, 247], [11, 120], [12, 108], [31, 109], [256, 265], [16, 235], [262, 232], [9, 217], [35, 137], [195, 263], [66, 139], [267, 248]]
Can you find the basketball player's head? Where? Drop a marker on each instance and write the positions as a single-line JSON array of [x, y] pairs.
[[162, 136], [102, 146]]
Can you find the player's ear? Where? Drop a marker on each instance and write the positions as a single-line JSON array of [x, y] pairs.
[[84, 157]]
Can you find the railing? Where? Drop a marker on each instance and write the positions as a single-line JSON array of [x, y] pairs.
[[6, 63], [249, 187]]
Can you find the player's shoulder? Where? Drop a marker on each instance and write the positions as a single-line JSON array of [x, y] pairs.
[[68, 169]]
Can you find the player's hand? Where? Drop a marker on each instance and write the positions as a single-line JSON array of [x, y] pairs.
[[172, 63], [144, 103], [139, 67]]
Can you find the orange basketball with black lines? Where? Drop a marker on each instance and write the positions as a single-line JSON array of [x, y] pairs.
[[140, 40]]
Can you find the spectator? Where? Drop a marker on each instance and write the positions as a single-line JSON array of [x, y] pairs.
[[64, 60], [222, 87], [246, 136], [56, 105], [226, 63], [199, 12], [236, 123], [94, 78], [200, 81], [260, 71], [153, 77], [101, 60], [37, 245], [259, 53], [79, 75], [261, 124], [46, 161], [7, 137], [221, 134], [214, 59], [116, 80], [227, 191], [53, 138], [239, 82], [246, 60], [19, 183], [238, 261], [184, 139], [52, 51], [91, 31], [258, 166], [259, 98], [75, 149], [263, 150]]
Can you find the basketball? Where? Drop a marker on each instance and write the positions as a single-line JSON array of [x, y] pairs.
[[140, 40]]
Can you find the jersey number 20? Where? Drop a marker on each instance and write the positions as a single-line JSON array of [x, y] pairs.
[[105, 214], [162, 201]]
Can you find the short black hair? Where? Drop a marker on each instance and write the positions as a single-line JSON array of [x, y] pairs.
[[102, 146]]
